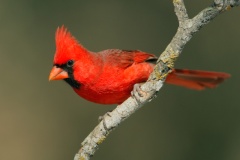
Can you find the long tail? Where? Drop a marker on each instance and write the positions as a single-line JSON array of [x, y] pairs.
[[196, 79]]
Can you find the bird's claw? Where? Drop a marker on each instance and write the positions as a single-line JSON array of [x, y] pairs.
[[137, 92]]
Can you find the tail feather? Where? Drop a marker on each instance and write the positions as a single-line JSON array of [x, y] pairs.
[[196, 79]]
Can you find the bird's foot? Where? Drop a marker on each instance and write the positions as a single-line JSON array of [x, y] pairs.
[[137, 92]]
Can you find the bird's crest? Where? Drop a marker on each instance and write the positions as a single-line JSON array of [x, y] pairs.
[[67, 47]]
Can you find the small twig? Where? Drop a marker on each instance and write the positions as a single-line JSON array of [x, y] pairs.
[[180, 11], [187, 27]]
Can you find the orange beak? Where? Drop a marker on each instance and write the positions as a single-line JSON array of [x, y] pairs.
[[57, 74]]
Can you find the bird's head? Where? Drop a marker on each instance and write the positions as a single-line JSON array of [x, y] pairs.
[[68, 52]]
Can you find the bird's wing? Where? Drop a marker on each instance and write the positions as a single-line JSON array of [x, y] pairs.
[[125, 58]]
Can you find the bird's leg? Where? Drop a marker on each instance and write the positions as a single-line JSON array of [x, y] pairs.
[[137, 92]]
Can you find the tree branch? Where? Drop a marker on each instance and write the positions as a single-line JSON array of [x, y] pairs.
[[187, 27]]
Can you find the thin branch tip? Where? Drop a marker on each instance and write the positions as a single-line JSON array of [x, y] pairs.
[[225, 5], [180, 10]]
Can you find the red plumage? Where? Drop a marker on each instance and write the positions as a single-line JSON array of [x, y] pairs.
[[107, 77]]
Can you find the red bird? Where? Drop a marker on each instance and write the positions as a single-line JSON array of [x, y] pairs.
[[108, 77]]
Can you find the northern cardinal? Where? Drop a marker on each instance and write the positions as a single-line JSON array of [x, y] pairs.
[[108, 77]]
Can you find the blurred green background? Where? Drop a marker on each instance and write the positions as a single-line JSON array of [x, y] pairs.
[[44, 120]]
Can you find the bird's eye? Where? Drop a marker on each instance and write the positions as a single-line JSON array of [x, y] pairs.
[[70, 63]]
